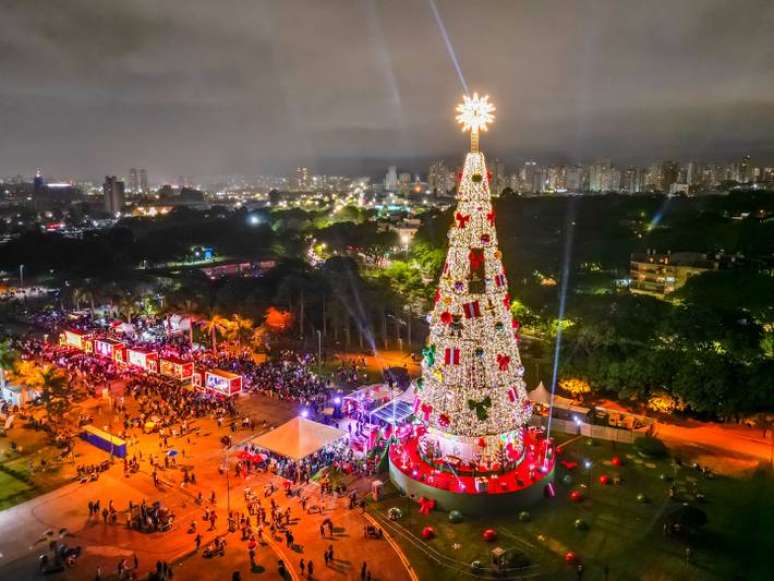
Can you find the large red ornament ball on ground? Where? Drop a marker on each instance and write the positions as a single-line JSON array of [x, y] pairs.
[[570, 557], [604, 479], [490, 535], [576, 496], [616, 461], [428, 533]]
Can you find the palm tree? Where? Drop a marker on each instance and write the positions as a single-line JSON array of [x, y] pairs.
[[7, 359], [242, 327], [26, 373], [127, 308], [54, 390], [213, 326]]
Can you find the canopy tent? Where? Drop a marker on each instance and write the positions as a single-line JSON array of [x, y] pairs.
[[393, 412], [540, 395], [299, 438]]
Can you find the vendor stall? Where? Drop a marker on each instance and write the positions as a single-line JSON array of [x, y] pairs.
[[143, 358], [368, 398], [107, 347], [176, 368], [74, 338], [223, 382]]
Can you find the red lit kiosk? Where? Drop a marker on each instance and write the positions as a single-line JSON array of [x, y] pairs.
[[143, 358], [217, 381], [471, 449], [176, 368]]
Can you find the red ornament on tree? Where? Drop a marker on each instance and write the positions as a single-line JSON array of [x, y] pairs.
[[576, 496], [507, 300], [604, 479], [437, 296], [451, 356], [472, 310], [476, 258], [503, 361], [462, 219], [446, 318], [489, 535], [491, 217], [443, 420]]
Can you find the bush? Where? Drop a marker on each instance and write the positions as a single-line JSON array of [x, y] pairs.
[[515, 559], [649, 447]]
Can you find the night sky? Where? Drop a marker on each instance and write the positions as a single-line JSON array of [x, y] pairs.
[[206, 87]]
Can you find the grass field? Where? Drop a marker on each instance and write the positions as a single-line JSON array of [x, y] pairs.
[[624, 534]]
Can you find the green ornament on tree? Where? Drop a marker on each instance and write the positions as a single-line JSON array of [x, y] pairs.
[[429, 354], [480, 407]]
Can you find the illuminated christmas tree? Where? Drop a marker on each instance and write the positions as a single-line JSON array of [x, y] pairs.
[[471, 396]]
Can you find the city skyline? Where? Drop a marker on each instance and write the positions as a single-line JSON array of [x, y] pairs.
[[194, 88]]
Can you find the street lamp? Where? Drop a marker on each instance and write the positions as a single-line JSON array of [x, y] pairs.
[[319, 349], [588, 465]]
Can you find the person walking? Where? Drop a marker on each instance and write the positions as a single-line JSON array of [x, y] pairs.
[[310, 568], [363, 571], [302, 566]]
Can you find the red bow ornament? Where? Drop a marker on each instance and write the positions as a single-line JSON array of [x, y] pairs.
[[503, 361], [462, 219]]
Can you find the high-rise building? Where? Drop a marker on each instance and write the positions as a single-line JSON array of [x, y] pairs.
[[38, 185], [144, 181], [113, 190], [404, 182], [670, 171], [573, 178], [438, 179], [134, 184], [391, 179], [530, 178], [497, 170], [632, 180], [599, 176], [303, 180]]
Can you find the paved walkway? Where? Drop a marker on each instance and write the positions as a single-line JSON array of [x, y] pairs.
[[23, 528]]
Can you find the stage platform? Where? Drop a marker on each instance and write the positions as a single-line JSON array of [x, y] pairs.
[[513, 490]]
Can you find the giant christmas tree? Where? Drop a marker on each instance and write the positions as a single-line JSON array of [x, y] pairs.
[[471, 396]]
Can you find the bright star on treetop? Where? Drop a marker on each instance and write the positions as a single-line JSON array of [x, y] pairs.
[[474, 113]]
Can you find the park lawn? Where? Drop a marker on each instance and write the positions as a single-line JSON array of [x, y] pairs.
[[623, 534], [14, 487]]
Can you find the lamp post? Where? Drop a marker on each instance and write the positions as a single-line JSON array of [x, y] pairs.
[[228, 489], [588, 465]]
